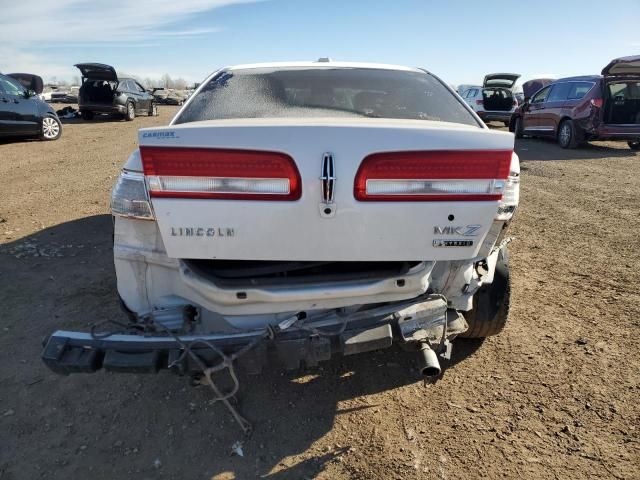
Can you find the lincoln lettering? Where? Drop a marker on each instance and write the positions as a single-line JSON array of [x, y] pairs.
[[202, 232]]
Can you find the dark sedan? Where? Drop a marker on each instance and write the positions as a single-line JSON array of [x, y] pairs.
[[23, 114]]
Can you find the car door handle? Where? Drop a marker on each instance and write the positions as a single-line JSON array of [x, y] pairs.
[[4, 100]]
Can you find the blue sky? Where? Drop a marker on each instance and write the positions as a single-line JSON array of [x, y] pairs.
[[458, 40]]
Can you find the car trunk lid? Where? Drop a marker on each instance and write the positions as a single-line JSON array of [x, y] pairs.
[[505, 80], [530, 87], [29, 81], [318, 216], [623, 66], [97, 71]]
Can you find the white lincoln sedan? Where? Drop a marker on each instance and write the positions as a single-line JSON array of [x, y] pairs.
[[293, 211]]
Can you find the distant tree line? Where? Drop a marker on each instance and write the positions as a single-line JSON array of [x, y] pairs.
[[163, 82]]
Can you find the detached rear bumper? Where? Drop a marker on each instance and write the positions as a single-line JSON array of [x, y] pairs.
[[68, 352], [292, 341]]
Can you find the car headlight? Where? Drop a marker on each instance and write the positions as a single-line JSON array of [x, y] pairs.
[[129, 197]]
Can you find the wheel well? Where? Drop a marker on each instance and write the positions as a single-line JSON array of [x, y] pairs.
[[50, 115], [561, 121]]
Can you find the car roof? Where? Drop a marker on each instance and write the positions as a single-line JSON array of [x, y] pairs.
[[581, 78], [324, 64]]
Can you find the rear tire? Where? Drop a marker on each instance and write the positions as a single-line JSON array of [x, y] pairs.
[[567, 135], [635, 146], [86, 115], [131, 112], [491, 303]]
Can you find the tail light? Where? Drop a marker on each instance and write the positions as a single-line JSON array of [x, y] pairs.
[[479, 102], [460, 175], [510, 197], [220, 174], [597, 102], [515, 102], [129, 197]]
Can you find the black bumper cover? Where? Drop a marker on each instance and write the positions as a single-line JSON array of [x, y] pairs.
[[73, 352]]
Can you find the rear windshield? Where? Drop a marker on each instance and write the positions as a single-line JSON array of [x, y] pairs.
[[110, 84], [325, 92], [625, 90], [497, 92]]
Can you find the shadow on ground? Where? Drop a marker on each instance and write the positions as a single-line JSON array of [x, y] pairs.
[[8, 140], [62, 277], [543, 149], [95, 119]]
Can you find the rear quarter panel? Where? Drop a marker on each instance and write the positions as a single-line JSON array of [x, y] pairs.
[[584, 114]]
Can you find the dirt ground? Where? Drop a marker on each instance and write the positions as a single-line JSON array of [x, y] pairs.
[[556, 395]]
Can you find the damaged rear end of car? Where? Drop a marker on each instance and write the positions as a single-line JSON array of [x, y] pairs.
[[342, 210]]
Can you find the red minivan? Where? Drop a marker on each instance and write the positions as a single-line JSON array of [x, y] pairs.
[[578, 109]]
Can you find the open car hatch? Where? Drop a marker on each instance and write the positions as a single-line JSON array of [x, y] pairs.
[[97, 71], [623, 66], [29, 81], [505, 80]]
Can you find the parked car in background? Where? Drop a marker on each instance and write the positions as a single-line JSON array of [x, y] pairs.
[[23, 113], [48, 91], [170, 96], [460, 89], [495, 100], [174, 98], [307, 209], [593, 107], [103, 92], [62, 94], [58, 96], [72, 95]]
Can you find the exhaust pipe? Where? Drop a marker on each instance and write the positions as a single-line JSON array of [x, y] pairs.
[[428, 362]]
